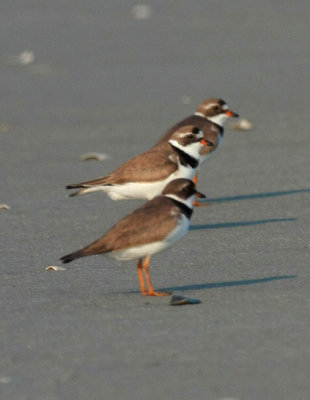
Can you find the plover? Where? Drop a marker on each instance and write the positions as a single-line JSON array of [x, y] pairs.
[[145, 176], [150, 229], [210, 117]]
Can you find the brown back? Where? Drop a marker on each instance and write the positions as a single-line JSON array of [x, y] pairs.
[[150, 223]]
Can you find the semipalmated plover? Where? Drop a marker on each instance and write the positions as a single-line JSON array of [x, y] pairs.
[[145, 176], [154, 227], [210, 118]]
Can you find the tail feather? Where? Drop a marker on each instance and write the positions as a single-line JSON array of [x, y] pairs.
[[87, 187], [88, 184], [75, 186], [86, 190], [70, 257], [78, 192]]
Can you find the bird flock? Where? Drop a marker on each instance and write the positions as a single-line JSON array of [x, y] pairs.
[[165, 176]]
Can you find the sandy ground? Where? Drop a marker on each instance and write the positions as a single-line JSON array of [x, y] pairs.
[[104, 80]]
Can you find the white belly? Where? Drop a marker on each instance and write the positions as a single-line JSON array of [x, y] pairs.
[[153, 248], [134, 190]]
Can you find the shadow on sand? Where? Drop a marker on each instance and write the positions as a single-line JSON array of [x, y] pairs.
[[204, 286], [256, 196], [239, 223]]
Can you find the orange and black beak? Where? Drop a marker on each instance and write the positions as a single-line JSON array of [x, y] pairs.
[[205, 142], [231, 114], [200, 195]]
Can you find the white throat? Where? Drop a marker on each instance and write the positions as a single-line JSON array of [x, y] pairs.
[[219, 119], [192, 149], [188, 202]]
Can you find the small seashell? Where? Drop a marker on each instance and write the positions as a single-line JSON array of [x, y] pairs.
[[185, 99], [242, 125], [5, 207], [94, 156], [178, 299], [141, 11], [5, 127], [5, 379], [54, 268], [228, 398], [24, 58]]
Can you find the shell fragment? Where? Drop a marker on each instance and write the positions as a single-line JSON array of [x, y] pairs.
[[54, 268], [94, 156], [178, 299], [242, 125]]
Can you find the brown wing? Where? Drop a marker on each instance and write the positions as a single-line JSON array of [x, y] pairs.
[[150, 223], [153, 165]]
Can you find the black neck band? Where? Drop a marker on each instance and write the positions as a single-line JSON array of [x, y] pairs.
[[183, 208], [185, 158]]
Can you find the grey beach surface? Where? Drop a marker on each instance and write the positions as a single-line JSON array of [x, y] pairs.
[[111, 77]]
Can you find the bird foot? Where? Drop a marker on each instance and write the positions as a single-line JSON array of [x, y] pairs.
[[198, 204], [154, 293]]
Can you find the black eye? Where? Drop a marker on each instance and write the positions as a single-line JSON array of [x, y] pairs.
[[190, 136], [196, 130], [216, 108]]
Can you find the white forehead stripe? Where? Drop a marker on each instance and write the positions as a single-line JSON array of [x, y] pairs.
[[224, 106]]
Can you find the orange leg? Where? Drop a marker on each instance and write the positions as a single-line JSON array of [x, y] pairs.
[[196, 202], [141, 279], [151, 291]]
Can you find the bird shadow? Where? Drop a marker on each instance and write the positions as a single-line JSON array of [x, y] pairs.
[[255, 196], [239, 223], [214, 285]]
